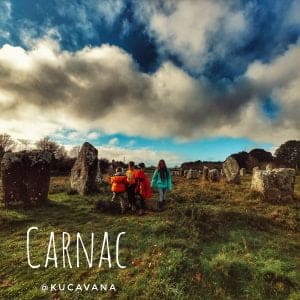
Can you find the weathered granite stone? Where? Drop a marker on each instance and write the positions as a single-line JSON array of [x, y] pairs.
[[242, 172], [231, 170], [192, 174], [205, 173], [85, 170], [214, 175], [222, 173], [181, 172], [269, 167], [26, 177], [255, 169], [275, 185]]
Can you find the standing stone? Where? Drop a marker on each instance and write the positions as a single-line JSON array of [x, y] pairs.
[[214, 175], [231, 170], [185, 173], [242, 172], [181, 171], [26, 177], [269, 167], [38, 176], [275, 185], [85, 169], [192, 174], [205, 173]]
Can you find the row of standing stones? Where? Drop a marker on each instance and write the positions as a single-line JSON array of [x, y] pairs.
[[275, 185], [26, 176]]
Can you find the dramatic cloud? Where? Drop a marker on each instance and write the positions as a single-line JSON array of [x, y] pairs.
[[187, 28], [46, 90]]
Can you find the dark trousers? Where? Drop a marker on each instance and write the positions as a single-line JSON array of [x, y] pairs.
[[141, 202], [131, 194]]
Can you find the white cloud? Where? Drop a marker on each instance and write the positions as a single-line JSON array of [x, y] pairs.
[[109, 10], [184, 28], [114, 141], [5, 10], [84, 17], [45, 90], [148, 156], [131, 143], [5, 16], [93, 135]]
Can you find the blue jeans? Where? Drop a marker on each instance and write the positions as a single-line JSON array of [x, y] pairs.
[[162, 195]]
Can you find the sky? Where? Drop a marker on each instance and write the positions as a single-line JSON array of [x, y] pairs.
[[143, 80]]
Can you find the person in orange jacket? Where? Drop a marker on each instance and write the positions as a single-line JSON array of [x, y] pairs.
[[131, 185], [118, 187], [143, 188]]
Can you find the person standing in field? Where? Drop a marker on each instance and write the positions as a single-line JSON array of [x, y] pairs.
[[131, 184], [161, 180], [118, 187], [143, 188]]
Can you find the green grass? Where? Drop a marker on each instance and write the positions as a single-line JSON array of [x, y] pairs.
[[214, 241]]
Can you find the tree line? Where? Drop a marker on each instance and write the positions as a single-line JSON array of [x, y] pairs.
[[287, 154]]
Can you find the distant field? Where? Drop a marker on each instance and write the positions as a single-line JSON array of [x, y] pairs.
[[214, 241]]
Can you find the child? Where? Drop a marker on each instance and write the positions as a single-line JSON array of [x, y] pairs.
[[131, 185], [118, 187], [161, 180], [143, 189]]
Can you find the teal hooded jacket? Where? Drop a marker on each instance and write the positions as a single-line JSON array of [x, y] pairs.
[[158, 182]]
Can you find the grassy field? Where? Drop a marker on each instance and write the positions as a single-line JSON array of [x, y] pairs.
[[214, 241]]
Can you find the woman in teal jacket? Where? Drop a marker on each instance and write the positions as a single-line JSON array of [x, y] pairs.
[[161, 180]]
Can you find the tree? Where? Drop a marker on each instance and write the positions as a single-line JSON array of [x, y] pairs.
[[6, 142], [261, 155], [103, 165], [24, 144], [74, 151], [61, 152], [242, 158], [289, 154], [1, 152], [45, 144]]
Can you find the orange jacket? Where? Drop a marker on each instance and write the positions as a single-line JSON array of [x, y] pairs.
[[118, 183]]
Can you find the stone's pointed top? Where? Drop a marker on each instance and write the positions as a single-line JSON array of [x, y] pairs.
[[87, 145]]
